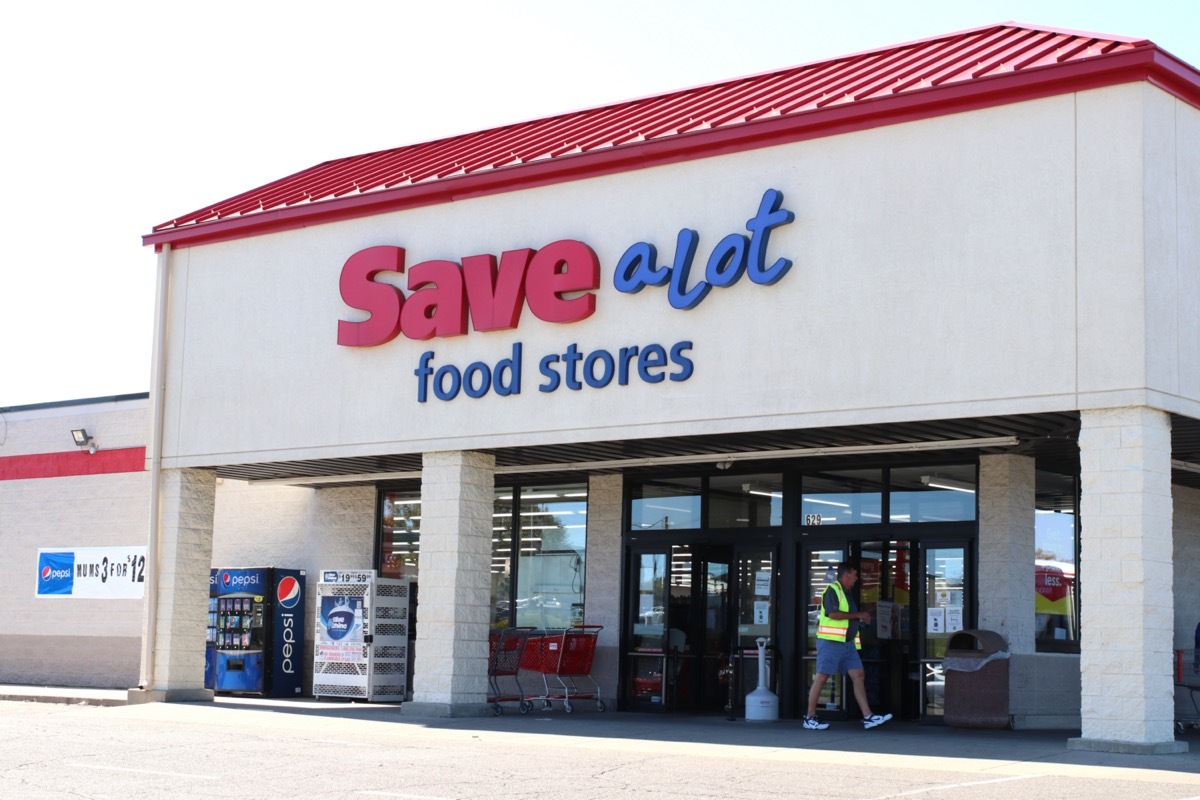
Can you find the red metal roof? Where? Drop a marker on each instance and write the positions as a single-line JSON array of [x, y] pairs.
[[970, 69]]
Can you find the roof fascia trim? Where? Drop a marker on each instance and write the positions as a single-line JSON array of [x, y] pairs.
[[1151, 64]]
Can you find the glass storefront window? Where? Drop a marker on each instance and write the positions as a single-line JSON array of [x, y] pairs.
[[399, 549], [842, 497], [945, 598], [755, 614], [1055, 563], [549, 529], [647, 662], [745, 501], [822, 571], [932, 494], [670, 504], [946, 611], [552, 524], [502, 559]]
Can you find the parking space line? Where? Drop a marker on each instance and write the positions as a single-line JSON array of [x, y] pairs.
[[943, 787], [146, 771]]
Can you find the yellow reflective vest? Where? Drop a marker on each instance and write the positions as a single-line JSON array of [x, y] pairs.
[[835, 629]]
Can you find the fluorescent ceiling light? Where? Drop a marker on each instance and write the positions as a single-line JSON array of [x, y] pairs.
[[825, 502], [934, 482]]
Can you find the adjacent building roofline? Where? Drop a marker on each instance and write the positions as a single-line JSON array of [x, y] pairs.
[[87, 401]]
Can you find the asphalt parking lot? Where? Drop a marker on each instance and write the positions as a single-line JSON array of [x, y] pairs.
[[235, 748]]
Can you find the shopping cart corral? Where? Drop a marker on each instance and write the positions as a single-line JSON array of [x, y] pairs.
[[1187, 689], [563, 659]]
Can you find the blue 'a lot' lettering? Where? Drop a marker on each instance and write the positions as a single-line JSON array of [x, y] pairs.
[[734, 256]]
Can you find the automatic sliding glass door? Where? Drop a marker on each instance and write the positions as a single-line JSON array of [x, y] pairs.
[[945, 607], [820, 565], [646, 661]]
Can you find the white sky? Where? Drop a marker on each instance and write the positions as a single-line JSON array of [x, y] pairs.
[[122, 115]]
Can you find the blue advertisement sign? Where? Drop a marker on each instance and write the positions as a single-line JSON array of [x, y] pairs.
[[56, 573], [238, 581], [340, 622]]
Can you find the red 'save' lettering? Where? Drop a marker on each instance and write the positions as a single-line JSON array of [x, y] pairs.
[[556, 283]]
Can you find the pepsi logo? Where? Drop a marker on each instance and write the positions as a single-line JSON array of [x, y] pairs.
[[45, 573], [225, 579], [55, 574], [288, 592]]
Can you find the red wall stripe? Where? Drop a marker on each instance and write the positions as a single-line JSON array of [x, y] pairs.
[[72, 462]]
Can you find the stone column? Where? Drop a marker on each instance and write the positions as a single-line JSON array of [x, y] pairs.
[[603, 578], [453, 615], [1126, 575], [187, 498], [1006, 549]]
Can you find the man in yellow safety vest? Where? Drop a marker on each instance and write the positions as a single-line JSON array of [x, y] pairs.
[[838, 643]]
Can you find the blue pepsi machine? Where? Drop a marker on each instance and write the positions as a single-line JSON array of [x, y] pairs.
[[255, 631]]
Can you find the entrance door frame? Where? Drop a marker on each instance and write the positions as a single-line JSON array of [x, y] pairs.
[[921, 538], [737, 543], [787, 540]]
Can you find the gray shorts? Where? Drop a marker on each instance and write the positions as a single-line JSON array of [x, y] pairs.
[[837, 657]]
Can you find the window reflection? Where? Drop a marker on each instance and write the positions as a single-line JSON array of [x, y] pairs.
[[400, 543], [552, 525], [945, 598], [502, 559], [1055, 564], [842, 497], [670, 504], [745, 501], [933, 494]]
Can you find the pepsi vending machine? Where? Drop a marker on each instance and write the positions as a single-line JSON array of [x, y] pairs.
[[255, 631]]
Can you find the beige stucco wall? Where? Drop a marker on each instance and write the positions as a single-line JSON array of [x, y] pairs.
[[1016, 259]]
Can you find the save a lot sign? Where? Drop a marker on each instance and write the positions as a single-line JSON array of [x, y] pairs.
[[558, 284]]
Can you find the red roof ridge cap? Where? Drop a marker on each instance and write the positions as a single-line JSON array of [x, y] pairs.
[[1131, 40]]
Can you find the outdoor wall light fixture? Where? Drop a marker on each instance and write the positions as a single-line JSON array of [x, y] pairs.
[[82, 439]]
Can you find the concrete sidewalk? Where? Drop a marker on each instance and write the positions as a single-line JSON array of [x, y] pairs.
[[903, 740], [59, 694]]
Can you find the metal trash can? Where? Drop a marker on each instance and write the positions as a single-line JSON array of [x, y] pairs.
[[976, 670]]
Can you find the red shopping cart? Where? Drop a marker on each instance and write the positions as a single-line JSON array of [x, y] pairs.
[[506, 649], [563, 657], [1187, 684]]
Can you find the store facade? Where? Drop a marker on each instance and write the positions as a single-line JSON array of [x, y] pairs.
[[655, 366]]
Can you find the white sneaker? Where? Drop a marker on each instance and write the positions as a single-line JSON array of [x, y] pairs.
[[873, 721], [814, 724]]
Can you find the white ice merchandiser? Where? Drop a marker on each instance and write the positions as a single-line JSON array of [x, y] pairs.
[[361, 636]]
